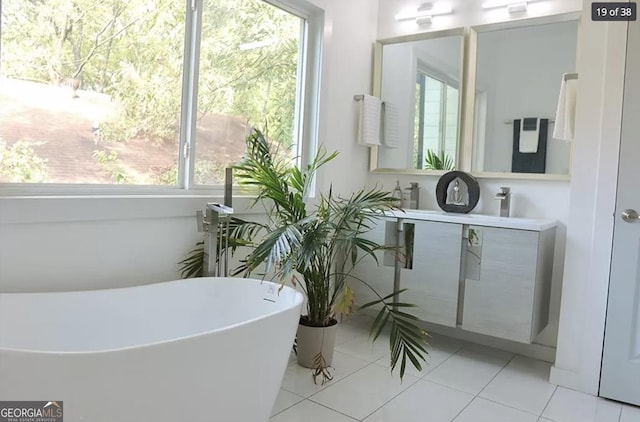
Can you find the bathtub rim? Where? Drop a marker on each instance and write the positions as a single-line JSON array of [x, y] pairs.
[[298, 300]]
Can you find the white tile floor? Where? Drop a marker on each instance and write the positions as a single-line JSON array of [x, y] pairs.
[[462, 383]]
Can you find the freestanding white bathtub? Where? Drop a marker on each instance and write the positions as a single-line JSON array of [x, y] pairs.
[[207, 349]]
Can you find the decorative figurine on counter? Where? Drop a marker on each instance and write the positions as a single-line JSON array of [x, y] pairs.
[[457, 191], [456, 197]]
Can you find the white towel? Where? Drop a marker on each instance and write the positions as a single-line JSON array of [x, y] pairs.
[[566, 112], [529, 138], [369, 122], [391, 137]]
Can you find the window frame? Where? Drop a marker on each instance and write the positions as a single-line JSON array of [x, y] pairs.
[[423, 72], [306, 117]]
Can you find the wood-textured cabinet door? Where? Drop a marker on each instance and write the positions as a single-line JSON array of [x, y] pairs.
[[501, 302], [434, 279], [377, 275]]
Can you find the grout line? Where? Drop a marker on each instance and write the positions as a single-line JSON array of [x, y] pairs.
[[478, 395], [496, 375], [392, 398], [333, 410], [549, 401], [332, 383], [441, 363], [511, 407], [463, 409], [448, 386], [449, 357], [418, 379], [620, 414], [289, 407], [328, 384], [292, 392]]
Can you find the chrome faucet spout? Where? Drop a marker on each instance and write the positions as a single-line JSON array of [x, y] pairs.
[[215, 222], [504, 196]]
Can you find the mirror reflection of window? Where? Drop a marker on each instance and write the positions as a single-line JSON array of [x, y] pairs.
[[436, 121], [420, 84]]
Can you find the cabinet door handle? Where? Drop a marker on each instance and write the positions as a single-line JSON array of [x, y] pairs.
[[630, 216]]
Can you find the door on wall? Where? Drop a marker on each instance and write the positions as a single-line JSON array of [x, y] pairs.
[[620, 377]]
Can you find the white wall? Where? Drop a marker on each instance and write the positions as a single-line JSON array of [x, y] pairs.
[[348, 62], [593, 193], [49, 244], [77, 243], [520, 69]]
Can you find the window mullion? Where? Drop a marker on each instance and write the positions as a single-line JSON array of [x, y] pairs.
[[443, 117], [189, 110], [421, 121]]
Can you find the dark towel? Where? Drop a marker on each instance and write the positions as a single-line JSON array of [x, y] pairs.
[[529, 162]]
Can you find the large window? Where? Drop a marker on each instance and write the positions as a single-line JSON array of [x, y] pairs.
[[146, 92]]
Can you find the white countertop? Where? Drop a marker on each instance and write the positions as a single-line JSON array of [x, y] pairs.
[[533, 224]]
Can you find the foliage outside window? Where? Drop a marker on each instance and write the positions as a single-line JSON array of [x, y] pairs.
[[102, 91]]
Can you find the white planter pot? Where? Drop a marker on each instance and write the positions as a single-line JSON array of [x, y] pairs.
[[313, 340]]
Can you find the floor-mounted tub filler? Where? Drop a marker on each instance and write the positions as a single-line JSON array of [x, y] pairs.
[[206, 349]]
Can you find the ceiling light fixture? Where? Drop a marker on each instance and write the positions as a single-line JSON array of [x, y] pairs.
[[425, 12], [517, 7], [424, 20], [512, 6]]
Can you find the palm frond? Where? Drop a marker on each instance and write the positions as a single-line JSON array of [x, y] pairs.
[[276, 247], [193, 264], [440, 161], [406, 339], [318, 249]]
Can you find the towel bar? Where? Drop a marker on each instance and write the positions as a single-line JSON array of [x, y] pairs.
[[510, 122], [360, 97]]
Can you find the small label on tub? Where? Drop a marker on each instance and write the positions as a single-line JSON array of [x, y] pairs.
[[31, 411], [271, 290]]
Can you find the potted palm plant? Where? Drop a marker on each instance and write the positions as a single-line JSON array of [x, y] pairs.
[[315, 247]]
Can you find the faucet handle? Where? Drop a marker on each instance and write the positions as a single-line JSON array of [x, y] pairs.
[[504, 193]]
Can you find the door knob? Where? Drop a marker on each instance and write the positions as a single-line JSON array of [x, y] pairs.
[[630, 216]]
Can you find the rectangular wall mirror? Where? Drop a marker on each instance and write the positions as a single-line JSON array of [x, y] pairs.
[[518, 74], [421, 87]]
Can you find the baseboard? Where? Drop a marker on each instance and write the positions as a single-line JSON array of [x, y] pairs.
[[570, 379], [532, 350]]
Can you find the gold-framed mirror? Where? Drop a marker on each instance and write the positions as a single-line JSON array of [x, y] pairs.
[[419, 79], [515, 73]]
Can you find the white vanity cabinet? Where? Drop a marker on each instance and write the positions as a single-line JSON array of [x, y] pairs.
[[484, 274], [509, 296], [434, 277]]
